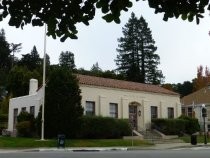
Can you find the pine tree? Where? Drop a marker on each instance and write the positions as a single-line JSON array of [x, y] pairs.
[[96, 70], [66, 59], [63, 108], [137, 60], [5, 57], [31, 60]]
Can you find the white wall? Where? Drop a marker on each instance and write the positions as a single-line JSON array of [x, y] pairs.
[[25, 101], [102, 96]]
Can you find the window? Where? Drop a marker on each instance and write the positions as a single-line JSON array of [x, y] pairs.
[[189, 112], [183, 111], [90, 108], [32, 110], [113, 110], [23, 109], [170, 112], [154, 112]]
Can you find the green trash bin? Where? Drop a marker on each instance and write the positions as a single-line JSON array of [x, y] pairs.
[[61, 141], [193, 139]]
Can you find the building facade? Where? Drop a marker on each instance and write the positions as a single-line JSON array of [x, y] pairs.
[[113, 98], [193, 103]]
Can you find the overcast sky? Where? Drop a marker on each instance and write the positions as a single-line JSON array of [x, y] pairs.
[[182, 46]]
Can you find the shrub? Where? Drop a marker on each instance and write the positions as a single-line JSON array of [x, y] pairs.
[[183, 124], [24, 129], [192, 124], [26, 124], [25, 116], [104, 127], [3, 122], [169, 126]]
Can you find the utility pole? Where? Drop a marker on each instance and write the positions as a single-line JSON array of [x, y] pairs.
[[44, 74]]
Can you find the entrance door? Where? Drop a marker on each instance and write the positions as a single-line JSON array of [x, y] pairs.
[[15, 114], [133, 116]]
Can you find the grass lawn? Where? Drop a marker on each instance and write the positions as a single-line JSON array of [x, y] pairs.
[[9, 142], [200, 139]]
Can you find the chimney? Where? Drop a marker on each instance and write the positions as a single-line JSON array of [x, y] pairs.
[[33, 86]]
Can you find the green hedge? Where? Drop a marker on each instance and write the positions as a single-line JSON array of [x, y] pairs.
[[192, 124], [176, 126], [26, 125], [24, 129], [3, 117], [3, 121], [104, 128]]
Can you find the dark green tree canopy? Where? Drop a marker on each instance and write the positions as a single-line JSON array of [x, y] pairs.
[[31, 60], [18, 80], [66, 59], [63, 108], [137, 60], [96, 69], [5, 57], [61, 17]]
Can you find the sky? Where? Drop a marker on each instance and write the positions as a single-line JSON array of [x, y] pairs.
[[181, 45]]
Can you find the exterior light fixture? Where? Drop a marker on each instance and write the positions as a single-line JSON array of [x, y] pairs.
[[139, 112]]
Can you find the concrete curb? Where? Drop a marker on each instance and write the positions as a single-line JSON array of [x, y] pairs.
[[95, 149], [98, 149]]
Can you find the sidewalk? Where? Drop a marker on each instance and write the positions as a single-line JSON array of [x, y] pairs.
[[97, 149], [170, 146]]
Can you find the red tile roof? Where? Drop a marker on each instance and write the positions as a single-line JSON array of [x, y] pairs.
[[113, 83]]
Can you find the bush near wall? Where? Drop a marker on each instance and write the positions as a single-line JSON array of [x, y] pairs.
[[192, 124], [169, 126], [97, 127], [26, 125], [3, 122], [176, 126]]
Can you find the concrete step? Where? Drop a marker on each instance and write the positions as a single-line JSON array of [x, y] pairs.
[[165, 141], [150, 135]]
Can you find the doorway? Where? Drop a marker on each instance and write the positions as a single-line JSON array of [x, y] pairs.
[[133, 116]]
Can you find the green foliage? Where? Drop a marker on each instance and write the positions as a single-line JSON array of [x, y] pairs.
[[63, 108], [137, 60], [105, 74], [176, 126], [3, 117], [192, 124], [5, 60], [66, 59], [5, 57], [31, 60], [24, 129], [60, 25], [104, 127], [3, 121], [169, 126], [4, 105], [25, 116], [25, 125], [38, 122], [18, 80], [187, 9], [183, 89], [96, 69]]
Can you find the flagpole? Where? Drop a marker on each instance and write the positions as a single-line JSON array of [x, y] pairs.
[[44, 74]]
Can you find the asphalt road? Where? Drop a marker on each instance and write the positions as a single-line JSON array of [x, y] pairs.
[[185, 153]]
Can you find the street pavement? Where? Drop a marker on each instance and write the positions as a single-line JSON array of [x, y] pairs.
[[171, 146]]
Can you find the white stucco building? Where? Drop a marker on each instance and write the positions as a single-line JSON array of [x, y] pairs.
[[113, 98], [192, 106]]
